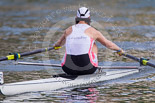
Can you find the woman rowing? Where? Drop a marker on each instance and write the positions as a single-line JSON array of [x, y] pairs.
[[81, 50]]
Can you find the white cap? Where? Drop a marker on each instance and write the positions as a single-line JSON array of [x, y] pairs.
[[83, 12]]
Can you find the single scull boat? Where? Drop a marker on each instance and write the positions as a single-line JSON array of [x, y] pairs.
[[62, 81]]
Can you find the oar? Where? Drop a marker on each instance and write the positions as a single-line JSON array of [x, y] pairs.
[[142, 61], [15, 56]]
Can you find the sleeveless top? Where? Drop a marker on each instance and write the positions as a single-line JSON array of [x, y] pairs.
[[78, 43]]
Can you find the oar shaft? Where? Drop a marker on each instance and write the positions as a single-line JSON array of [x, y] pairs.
[[131, 57], [140, 60], [150, 64], [4, 58], [17, 55], [36, 51]]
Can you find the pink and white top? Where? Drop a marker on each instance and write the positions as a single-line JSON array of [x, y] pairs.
[[78, 43]]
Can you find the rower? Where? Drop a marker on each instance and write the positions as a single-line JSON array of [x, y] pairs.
[[81, 50]]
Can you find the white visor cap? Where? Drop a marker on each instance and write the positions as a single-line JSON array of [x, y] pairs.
[[83, 12]]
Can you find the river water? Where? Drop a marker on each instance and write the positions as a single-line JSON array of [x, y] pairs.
[[27, 25]]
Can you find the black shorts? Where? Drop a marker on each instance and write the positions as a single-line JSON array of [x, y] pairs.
[[78, 65]]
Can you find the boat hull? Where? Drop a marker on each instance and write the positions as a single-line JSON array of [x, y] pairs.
[[60, 82]]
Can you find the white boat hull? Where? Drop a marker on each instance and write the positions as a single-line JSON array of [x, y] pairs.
[[59, 82]]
